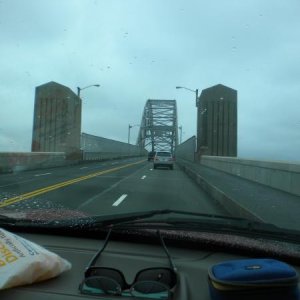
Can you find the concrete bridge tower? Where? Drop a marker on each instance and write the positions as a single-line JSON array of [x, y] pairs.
[[57, 119], [217, 121]]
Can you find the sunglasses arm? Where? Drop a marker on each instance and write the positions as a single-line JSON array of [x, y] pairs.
[[97, 255]]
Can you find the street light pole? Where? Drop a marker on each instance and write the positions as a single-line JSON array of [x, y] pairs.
[[180, 137], [198, 114], [129, 127], [80, 104], [80, 89]]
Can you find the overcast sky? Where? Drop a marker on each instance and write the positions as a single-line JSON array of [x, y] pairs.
[[142, 49]]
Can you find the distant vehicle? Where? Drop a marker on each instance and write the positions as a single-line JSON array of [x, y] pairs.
[[151, 155], [163, 159]]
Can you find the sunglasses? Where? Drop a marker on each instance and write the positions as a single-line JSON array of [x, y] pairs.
[[151, 283]]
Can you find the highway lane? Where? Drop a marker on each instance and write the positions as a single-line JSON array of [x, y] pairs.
[[16, 188], [148, 189], [15, 181], [105, 188]]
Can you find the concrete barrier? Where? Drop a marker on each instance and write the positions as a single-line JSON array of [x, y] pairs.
[[100, 148], [11, 162], [279, 175], [98, 156], [22, 161], [94, 148], [92, 143], [186, 150]]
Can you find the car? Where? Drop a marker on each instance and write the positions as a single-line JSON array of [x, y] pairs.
[[151, 155], [163, 159]]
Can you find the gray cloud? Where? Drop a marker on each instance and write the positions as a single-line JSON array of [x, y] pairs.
[[139, 50]]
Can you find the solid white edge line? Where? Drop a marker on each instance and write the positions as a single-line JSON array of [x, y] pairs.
[[116, 203]]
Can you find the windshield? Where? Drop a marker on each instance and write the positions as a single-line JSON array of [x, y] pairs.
[[167, 154], [92, 89]]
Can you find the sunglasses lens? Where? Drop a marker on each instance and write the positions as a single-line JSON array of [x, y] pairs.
[[150, 289], [98, 285], [164, 276], [107, 272]]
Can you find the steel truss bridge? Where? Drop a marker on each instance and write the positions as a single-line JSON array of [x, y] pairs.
[[159, 129]]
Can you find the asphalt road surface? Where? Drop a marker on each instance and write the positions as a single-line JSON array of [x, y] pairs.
[[109, 187]]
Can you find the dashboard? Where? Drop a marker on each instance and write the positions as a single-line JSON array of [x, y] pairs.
[[192, 266], [128, 257]]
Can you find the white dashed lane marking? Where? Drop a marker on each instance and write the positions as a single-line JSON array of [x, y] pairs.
[[120, 200], [37, 175]]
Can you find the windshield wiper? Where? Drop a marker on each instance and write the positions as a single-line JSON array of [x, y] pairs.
[[187, 220], [203, 222], [161, 219], [7, 219], [137, 217]]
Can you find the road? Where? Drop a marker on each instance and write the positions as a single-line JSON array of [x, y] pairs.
[[110, 187]]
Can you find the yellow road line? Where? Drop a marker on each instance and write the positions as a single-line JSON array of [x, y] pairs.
[[56, 186]]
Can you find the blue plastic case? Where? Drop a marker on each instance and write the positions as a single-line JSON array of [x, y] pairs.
[[255, 279]]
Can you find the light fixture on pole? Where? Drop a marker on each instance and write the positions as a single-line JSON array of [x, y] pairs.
[[194, 91], [80, 89], [129, 127]]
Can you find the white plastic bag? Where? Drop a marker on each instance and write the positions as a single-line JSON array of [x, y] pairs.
[[24, 262]]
